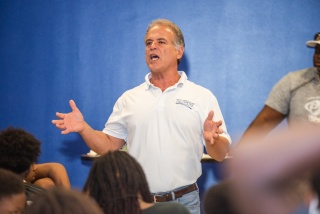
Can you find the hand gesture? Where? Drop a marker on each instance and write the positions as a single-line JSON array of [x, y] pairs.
[[211, 129], [70, 122]]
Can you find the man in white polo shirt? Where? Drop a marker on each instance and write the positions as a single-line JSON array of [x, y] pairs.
[[165, 122]]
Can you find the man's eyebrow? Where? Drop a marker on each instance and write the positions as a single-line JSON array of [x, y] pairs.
[[162, 39], [158, 39]]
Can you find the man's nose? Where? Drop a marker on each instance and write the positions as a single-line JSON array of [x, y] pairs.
[[153, 45]]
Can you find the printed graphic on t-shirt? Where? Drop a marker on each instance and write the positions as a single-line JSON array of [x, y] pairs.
[[313, 108], [185, 103]]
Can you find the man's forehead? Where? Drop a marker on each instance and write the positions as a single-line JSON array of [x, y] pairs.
[[160, 28], [318, 37], [159, 32]]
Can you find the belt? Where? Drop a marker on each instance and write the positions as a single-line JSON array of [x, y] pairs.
[[169, 196]]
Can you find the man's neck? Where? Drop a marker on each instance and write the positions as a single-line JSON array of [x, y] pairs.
[[164, 80]]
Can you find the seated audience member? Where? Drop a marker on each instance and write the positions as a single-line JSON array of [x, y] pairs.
[[60, 200], [12, 195], [294, 98], [48, 175], [22, 161], [218, 199], [118, 184], [273, 175], [18, 151]]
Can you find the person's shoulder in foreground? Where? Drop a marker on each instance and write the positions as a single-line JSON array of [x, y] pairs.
[[62, 200], [166, 207], [33, 189]]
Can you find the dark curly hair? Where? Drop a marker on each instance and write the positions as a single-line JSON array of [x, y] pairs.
[[18, 149], [115, 181]]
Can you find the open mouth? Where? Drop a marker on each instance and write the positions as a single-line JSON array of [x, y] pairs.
[[154, 57]]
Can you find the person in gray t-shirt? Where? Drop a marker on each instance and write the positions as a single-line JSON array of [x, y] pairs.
[[295, 97]]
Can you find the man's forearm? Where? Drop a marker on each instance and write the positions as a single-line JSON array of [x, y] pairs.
[[99, 141]]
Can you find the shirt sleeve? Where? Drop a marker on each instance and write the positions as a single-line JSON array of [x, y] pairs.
[[279, 97], [115, 126]]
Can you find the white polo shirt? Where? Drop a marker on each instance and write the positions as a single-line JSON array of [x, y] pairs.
[[163, 130]]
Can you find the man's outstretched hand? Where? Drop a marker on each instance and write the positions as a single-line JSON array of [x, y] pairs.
[[211, 129], [70, 122]]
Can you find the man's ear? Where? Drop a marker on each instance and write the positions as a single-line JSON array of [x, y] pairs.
[[180, 52]]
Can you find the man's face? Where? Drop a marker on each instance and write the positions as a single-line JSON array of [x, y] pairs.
[[161, 54], [316, 56]]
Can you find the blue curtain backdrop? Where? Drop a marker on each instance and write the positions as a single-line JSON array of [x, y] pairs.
[[92, 51]]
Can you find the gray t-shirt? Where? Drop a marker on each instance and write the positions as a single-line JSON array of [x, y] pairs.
[[297, 95]]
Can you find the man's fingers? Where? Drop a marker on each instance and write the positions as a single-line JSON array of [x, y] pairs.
[[60, 125], [219, 123], [55, 122], [65, 131], [73, 105], [210, 115], [60, 115]]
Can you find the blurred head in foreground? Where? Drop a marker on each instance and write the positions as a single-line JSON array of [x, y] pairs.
[[61, 200], [117, 182], [12, 193], [272, 175]]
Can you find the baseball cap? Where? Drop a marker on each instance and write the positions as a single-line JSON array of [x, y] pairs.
[[315, 41]]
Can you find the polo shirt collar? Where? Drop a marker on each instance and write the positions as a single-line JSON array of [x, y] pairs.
[[183, 78]]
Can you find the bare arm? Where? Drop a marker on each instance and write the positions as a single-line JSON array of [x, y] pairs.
[[96, 140], [266, 120], [54, 171], [99, 141], [45, 183], [217, 146]]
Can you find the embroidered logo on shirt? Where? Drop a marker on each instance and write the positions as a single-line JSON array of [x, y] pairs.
[[313, 107], [185, 103]]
